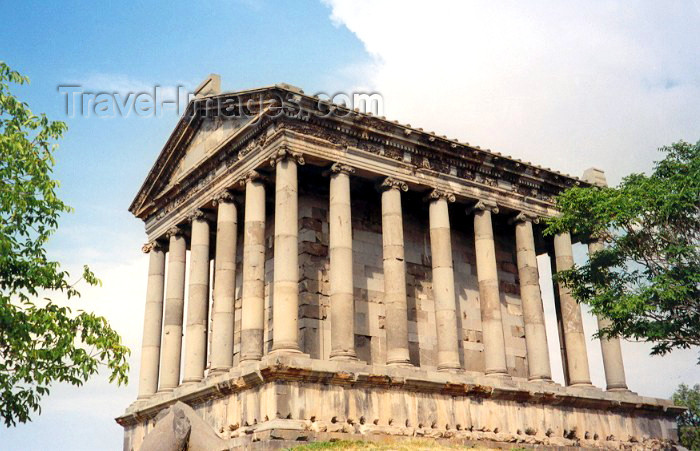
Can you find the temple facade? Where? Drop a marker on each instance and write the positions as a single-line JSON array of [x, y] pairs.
[[320, 273]]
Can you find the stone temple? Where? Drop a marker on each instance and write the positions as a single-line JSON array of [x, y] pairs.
[[319, 273]]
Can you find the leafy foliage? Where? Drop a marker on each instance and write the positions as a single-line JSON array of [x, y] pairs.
[[647, 279], [41, 342], [689, 422]]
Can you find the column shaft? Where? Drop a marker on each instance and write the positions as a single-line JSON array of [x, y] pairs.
[[174, 306], [394, 275], [487, 273], [612, 352], [152, 322], [197, 302], [224, 284], [539, 368], [285, 309], [253, 298], [341, 279], [443, 285], [572, 325]]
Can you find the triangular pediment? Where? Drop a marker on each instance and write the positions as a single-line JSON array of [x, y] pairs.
[[206, 141], [194, 141]]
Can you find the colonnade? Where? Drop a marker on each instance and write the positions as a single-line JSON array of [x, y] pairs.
[[163, 324]]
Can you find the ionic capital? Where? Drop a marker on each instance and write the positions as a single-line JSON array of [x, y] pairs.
[[441, 194], [197, 215], [174, 232], [224, 197], [525, 216], [340, 168], [251, 176], [151, 246], [283, 153], [392, 183], [483, 205]]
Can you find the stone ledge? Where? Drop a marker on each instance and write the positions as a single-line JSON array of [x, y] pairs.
[[300, 368]]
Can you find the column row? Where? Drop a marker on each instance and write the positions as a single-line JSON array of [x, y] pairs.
[[160, 368]]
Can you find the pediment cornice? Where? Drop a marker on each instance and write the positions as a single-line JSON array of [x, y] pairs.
[[423, 155]]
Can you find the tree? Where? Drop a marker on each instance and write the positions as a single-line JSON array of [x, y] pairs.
[[41, 342], [647, 278], [689, 422]]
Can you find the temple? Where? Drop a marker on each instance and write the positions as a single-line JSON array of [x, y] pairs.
[[320, 273]]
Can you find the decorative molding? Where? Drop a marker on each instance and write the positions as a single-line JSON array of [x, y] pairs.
[[151, 246], [251, 176], [283, 153], [224, 196], [197, 215], [340, 168], [441, 194], [174, 231], [392, 183], [484, 205], [525, 216]]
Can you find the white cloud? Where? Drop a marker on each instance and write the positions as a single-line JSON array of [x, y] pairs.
[[567, 86]]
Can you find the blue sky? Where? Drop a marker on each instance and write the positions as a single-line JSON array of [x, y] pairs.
[[602, 84]]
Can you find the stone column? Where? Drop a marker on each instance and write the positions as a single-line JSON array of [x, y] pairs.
[[443, 281], [224, 283], [572, 325], [285, 297], [197, 300], [610, 347], [490, 299], [253, 296], [174, 306], [612, 353], [394, 273], [539, 368], [341, 280], [153, 318]]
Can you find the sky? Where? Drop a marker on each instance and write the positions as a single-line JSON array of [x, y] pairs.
[[561, 84]]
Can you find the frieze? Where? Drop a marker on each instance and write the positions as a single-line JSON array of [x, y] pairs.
[[466, 165]]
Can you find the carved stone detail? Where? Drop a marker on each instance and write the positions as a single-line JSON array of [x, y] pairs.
[[150, 246], [525, 216], [174, 231], [438, 194], [392, 183], [284, 153], [224, 196], [484, 205], [197, 215], [340, 168]]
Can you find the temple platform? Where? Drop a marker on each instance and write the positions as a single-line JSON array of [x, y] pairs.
[[284, 400]]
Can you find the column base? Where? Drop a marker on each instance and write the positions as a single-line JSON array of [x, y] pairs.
[[192, 380], [619, 389], [449, 367], [219, 370], [400, 363], [584, 384], [343, 355], [497, 373], [541, 379], [250, 358], [285, 350]]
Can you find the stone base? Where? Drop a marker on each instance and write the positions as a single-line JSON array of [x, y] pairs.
[[287, 399]]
